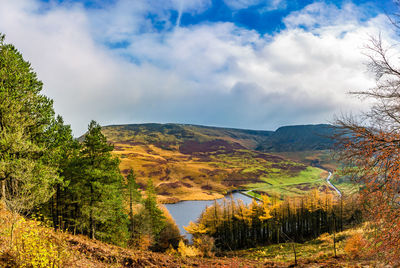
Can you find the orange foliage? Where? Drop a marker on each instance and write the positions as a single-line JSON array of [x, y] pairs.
[[355, 246], [375, 163], [371, 149]]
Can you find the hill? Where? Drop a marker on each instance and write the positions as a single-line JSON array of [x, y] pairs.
[[189, 162], [299, 138]]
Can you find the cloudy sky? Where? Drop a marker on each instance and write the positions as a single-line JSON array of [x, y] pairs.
[[256, 64]]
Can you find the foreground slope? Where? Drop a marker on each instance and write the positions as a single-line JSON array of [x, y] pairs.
[[188, 162], [34, 245]]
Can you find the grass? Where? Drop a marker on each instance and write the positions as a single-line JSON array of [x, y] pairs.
[[317, 251], [323, 158], [309, 175], [344, 184], [285, 185]]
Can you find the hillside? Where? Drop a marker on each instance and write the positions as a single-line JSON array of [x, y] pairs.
[[299, 138], [188, 162], [35, 245]]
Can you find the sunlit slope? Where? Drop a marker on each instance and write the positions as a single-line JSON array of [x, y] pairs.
[[188, 162]]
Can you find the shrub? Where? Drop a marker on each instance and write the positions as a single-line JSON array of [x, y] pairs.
[[188, 251], [36, 246], [205, 244], [355, 245]]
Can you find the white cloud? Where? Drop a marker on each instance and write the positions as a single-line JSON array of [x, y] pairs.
[[125, 18], [215, 73], [321, 14]]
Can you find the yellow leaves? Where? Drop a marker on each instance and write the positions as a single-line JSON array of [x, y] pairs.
[[244, 213], [187, 251], [36, 246], [312, 202], [266, 208], [196, 228]]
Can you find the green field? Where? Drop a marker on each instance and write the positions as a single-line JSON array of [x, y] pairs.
[[345, 185], [283, 185]]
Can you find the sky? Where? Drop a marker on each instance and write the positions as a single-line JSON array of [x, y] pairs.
[[255, 64]]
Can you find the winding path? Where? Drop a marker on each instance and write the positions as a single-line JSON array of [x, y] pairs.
[[333, 186]]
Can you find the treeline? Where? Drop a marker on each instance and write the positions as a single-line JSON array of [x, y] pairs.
[[235, 225], [76, 186]]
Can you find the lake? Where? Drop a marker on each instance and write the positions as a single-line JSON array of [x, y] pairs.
[[187, 211]]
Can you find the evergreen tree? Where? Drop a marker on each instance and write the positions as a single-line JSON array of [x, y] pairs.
[[155, 216], [64, 150], [27, 176], [134, 198], [99, 190]]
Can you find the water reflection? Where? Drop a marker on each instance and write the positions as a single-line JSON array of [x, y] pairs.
[[187, 211]]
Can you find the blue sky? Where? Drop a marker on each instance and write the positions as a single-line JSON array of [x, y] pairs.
[[253, 64]]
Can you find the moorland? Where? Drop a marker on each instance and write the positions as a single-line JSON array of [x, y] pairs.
[[190, 162]]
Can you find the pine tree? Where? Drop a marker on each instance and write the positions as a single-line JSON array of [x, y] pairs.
[[27, 177], [134, 198], [155, 216], [63, 148], [100, 189]]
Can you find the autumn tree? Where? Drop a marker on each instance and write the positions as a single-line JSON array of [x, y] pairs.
[[234, 225], [371, 148]]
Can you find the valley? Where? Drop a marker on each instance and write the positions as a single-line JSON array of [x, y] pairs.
[[188, 162]]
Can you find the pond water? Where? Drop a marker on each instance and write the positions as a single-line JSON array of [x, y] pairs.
[[187, 211]]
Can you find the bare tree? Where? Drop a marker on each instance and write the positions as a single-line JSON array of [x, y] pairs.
[[371, 147]]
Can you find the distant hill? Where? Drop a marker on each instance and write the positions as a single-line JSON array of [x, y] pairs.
[[171, 135], [191, 162], [299, 138], [284, 139]]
